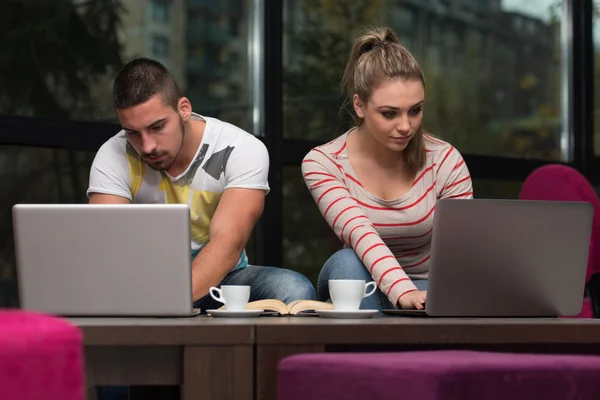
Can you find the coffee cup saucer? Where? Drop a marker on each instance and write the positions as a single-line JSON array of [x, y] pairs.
[[235, 314], [344, 314]]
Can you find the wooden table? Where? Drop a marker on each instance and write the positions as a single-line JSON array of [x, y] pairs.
[[212, 358], [208, 358], [277, 338]]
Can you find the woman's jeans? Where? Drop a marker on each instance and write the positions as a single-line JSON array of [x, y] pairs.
[[345, 264]]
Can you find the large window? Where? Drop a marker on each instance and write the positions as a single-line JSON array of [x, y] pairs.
[[498, 89], [63, 66], [493, 69]]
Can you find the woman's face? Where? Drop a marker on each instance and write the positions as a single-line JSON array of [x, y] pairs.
[[393, 113]]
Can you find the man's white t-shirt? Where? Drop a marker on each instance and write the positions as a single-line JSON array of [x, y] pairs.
[[228, 157]]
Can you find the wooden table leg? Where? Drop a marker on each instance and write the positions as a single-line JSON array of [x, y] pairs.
[[218, 372], [267, 360]]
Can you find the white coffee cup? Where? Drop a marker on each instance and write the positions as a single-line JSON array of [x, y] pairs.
[[235, 297], [346, 294]]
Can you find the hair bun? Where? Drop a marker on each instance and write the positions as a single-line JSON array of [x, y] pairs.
[[376, 43]]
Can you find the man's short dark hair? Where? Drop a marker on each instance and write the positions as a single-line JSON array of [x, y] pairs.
[[142, 78]]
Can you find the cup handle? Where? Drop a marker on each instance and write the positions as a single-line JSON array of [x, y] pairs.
[[218, 298], [367, 294]]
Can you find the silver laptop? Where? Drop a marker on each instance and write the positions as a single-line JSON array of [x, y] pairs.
[[104, 260], [507, 258]]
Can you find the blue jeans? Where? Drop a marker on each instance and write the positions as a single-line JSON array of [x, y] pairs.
[[265, 283], [345, 264]]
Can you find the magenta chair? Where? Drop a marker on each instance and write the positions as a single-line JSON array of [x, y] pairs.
[[556, 182], [438, 375], [41, 357]]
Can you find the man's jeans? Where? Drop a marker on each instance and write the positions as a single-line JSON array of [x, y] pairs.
[[265, 283]]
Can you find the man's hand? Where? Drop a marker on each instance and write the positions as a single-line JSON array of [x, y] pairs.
[[412, 300]]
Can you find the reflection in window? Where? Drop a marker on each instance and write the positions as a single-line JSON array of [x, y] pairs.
[[37, 175], [484, 94], [56, 72], [217, 67], [100, 36], [161, 10], [405, 18], [161, 47]]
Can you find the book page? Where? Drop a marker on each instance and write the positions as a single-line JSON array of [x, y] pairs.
[[269, 305], [308, 306]]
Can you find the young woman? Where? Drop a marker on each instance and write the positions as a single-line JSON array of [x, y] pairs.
[[378, 183]]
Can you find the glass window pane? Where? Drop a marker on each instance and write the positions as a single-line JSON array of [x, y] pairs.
[[35, 175], [493, 69], [66, 69], [161, 46], [161, 10]]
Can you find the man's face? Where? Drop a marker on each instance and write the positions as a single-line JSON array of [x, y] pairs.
[[155, 130]]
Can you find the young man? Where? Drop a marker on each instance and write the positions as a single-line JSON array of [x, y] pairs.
[[168, 154]]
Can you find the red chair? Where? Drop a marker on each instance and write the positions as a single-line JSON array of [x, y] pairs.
[[41, 357], [557, 182]]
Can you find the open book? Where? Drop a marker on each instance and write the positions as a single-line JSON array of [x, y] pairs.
[[298, 307]]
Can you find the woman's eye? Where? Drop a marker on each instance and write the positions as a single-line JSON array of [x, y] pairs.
[[389, 114], [415, 111]]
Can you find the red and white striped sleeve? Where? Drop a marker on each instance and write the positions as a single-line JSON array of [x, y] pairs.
[[453, 177], [327, 185]]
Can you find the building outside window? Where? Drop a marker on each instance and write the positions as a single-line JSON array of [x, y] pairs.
[[161, 10]]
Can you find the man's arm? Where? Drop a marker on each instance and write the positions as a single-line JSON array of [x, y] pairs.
[[230, 228], [110, 175], [101, 198]]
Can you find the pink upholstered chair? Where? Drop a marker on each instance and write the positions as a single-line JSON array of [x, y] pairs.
[[558, 182], [438, 375], [41, 357]]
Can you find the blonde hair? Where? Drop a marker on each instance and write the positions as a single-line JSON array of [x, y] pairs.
[[377, 56]]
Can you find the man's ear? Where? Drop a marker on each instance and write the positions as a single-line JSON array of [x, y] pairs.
[[184, 107], [358, 106]]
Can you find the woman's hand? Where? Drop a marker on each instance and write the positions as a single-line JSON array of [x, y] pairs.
[[412, 300]]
